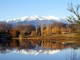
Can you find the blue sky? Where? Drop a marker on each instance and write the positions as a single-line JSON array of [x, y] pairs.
[[10, 9]]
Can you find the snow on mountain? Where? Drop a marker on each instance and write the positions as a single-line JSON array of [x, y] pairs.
[[52, 18], [36, 20], [35, 52], [35, 17]]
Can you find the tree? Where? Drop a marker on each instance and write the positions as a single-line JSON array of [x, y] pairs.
[[57, 24], [29, 28], [5, 27], [42, 28], [33, 33], [75, 18], [25, 28], [14, 33], [36, 29], [63, 29], [45, 32], [20, 28], [48, 27], [55, 30]]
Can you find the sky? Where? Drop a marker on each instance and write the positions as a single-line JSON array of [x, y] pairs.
[[10, 9]]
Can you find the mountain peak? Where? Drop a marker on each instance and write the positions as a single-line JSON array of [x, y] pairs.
[[35, 17], [36, 20]]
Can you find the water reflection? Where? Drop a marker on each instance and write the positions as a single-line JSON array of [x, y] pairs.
[[26, 46], [38, 50]]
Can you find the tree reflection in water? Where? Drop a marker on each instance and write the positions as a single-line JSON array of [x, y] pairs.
[[44, 46], [72, 54]]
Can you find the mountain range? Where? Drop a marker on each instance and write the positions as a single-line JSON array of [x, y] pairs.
[[36, 20], [36, 52]]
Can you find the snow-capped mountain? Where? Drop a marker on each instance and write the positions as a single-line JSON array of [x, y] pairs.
[[36, 52], [36, 20]]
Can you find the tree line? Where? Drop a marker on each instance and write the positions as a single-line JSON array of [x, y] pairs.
[[42, 30]]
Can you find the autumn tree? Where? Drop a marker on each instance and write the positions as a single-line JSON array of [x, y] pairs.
[[63, 30], [14, 33], [55, 30], [33, 33], [69, 30], [45, 32], [74, 27], [24, 30]]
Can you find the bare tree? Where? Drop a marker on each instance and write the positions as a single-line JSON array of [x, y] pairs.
[[28, 28], [48, 27], [42, 29], [75, 18], [36, 29], [25, 28], [5, 26]]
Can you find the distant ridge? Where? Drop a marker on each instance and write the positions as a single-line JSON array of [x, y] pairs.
[[36, 20]]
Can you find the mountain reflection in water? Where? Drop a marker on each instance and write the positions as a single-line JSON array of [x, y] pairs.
[[27, 47], [34, 47]]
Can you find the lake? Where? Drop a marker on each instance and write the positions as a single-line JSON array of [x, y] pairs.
[[38, 50]]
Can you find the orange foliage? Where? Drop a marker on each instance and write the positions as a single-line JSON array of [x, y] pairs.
[[69, 30], [63, 29], [14, 33], [33, 33], [45, 32], [55, 30]]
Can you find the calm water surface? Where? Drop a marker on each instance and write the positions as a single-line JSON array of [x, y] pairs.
[[38, 50]]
